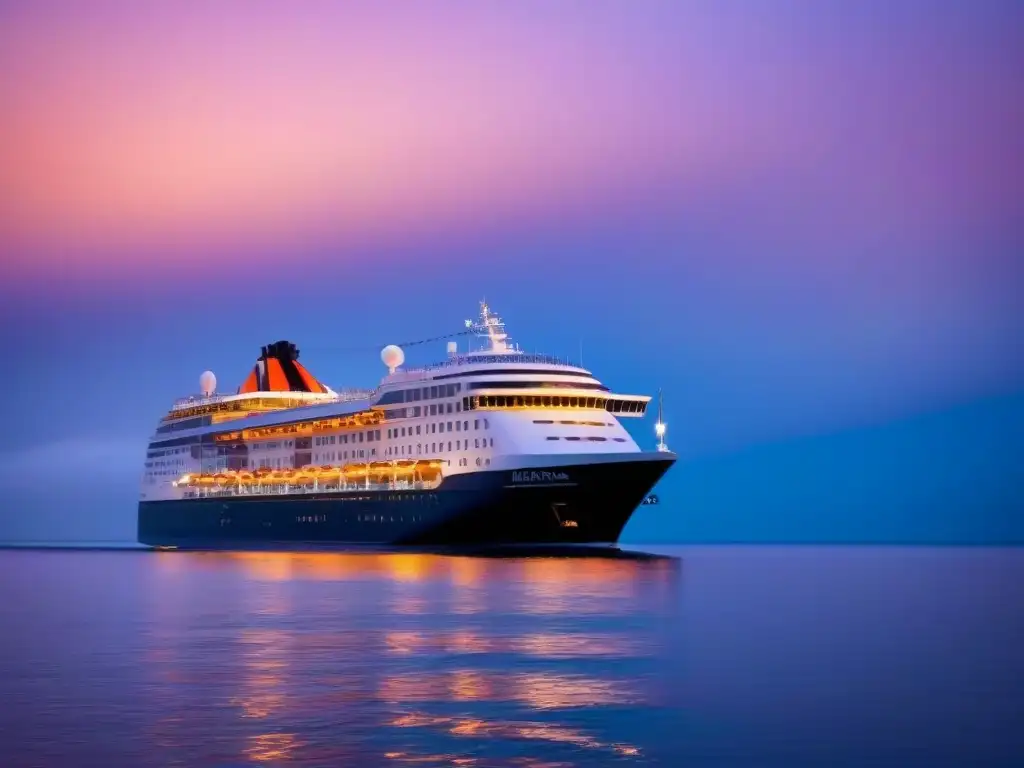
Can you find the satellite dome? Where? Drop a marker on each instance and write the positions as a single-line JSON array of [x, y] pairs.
[[207, 383], [392, 356]]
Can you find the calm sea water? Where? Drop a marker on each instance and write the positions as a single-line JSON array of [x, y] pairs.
[[753, 656]]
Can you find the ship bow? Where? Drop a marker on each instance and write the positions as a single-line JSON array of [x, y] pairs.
[[540, 501]]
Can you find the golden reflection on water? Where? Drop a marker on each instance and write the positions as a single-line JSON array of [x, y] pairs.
[[536, 690], [469, 685], [276, 747], [467, 642], [513, 729], [266, 656], [403, 757], [550, 645], [347, 656], [570, 645], [467, 571], [576, 576]]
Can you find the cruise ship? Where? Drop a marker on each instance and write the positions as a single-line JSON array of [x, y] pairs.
[[491, 446]]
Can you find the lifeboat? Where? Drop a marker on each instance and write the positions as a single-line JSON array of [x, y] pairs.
[[429, 470], [304, 478], [329, 473], [221, 479], [380, 471], [354, 471], [245, 477], [205, 480]]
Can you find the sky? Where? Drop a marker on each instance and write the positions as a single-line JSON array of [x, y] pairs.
[[799, 219]]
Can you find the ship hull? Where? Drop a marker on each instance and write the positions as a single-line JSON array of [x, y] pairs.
[[569, 504]]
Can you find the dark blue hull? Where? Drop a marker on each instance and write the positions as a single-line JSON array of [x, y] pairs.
[[576, 504]]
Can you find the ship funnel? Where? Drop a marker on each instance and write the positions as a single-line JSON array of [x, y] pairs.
[[278, 370]]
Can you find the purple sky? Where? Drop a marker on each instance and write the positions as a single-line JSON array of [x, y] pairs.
[[796, 217]]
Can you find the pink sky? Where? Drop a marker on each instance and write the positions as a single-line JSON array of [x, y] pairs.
[[189, 129]]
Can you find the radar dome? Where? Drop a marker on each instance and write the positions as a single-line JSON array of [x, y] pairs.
[[392, 356], [207, 383]]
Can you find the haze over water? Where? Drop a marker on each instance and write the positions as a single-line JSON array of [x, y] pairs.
[[763, 656]]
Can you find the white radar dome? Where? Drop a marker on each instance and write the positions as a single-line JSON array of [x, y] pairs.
[[207, 383], [392, 356]]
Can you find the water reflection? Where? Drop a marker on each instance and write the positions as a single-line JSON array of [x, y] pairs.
[[514, 730], [770, 656], [549, 645], [365, 655], [535, 690], [609, 575]]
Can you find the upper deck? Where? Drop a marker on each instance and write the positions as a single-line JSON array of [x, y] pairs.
[[499, 375], [199, 405]]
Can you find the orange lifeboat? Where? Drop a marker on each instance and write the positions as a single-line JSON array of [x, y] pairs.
[[329, 473], [429, 471], [355, 471], [380, 471]]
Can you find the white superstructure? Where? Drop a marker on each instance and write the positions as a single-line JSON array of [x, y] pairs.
[[495, 407]]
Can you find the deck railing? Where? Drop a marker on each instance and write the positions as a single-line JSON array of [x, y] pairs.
[[285, 489]]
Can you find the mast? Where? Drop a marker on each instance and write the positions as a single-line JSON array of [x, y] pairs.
[[491, 327]]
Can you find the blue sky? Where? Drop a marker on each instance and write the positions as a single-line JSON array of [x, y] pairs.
[[800, 223]]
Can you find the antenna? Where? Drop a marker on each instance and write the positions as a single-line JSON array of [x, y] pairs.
[[490, 327], [659, 427]]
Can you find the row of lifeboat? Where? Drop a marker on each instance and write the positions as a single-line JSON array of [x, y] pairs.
[[373, 472]]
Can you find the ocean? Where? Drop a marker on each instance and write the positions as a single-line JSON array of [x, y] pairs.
[[699, 656]]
